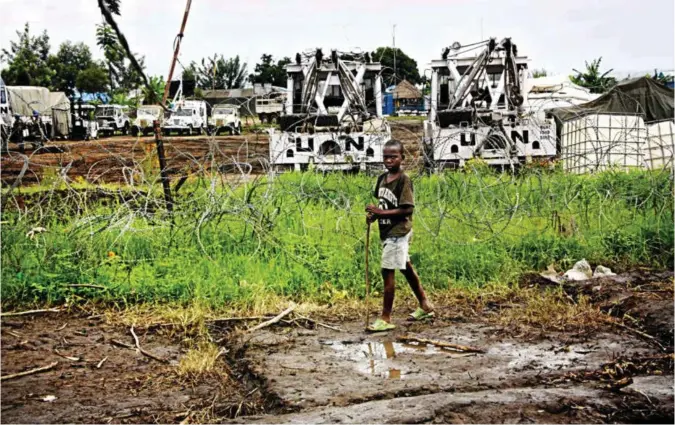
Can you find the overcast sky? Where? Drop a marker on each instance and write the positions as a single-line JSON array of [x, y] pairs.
[[556, 35]]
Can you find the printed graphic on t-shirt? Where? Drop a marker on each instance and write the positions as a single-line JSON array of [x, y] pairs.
[[386, 198]]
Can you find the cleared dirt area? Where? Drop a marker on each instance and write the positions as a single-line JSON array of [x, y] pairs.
[[123, 158], [298, 372]]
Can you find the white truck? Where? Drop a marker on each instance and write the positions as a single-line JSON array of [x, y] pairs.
[[145, 116], [111, 119], [187, 117], [269, 108], [225, 118]]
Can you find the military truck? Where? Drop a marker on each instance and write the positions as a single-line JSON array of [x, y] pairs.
[[225, 118], [112, 119]]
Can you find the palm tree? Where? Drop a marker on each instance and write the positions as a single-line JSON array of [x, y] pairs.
[[106, 39], [593, 79]]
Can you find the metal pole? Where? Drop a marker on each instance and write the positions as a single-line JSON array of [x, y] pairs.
[[175, 53], [394, 42]]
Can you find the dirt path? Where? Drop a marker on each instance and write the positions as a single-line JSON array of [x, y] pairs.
[[290, 374], [116, 159], [127, 388]]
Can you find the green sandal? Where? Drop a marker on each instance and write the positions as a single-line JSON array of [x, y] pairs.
[[420, 314], [380, 326]]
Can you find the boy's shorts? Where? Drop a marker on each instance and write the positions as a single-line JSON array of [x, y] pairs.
[[395, 252]]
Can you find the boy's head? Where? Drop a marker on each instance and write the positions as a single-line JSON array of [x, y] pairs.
[[392, 154]]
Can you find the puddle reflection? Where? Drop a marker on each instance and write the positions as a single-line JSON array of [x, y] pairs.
[[379, 358]]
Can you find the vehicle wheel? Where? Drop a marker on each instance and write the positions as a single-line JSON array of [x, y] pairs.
[[134, 131], [273, 119], [263, 119], [125, 129], [230, 131], [201, 131], [190, 130], [239, 128]]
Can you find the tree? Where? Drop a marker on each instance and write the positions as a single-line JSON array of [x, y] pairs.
[[219, 73], [592, 79], [27, 60], [68, 63], [93, 79], [267, 72], [154, 96], [538, 73], [406, 67], [122, 75]]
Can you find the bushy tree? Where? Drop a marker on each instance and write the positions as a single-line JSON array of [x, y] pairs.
[[93, 79], [68, 63], [268, 72], [406, 67], [28, 60]]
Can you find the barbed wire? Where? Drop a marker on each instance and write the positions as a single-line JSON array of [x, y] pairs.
[[104, 190]]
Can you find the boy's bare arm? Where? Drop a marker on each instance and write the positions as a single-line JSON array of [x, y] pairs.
[[403, 211]]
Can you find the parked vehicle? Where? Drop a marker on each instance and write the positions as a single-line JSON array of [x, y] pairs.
[[112, 118], [225, 118], [85, 127], [143, 123], [269, 108], [187, 117]]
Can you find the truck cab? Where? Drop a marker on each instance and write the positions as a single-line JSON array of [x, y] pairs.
[[187, 117], [225, 118], [112, 118], [145, 116]]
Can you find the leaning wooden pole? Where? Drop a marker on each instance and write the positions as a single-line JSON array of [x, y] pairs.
[[163, 172], [179, 38]]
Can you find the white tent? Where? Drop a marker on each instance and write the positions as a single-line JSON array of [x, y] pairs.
[[553, 92]]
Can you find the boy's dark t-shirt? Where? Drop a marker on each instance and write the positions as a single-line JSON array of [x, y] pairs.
[[395, 194]]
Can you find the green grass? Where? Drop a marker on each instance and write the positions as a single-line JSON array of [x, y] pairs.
[[302, 236]]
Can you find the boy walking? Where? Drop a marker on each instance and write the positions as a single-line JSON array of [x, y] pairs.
[[394, 191]]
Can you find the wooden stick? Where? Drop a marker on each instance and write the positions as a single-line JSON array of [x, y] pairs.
[[142, 351], [238, 319], [273, 320], [442, 344], [24, 313], [98, 366], [651, 338], [86, 285], [72, 359], [317, 323], [122, 344], [367, 277], [29, 372]]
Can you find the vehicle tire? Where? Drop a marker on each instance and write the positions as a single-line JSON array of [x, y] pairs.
[[190, 130], [239, 128], [230, 131], [263, 119], [125, 129], [134, 131]]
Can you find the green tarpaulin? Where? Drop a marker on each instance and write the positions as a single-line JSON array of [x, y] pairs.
[[643, 96]]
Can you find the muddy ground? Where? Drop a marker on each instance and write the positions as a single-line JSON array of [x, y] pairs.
[[287, 373], [117, 159]]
